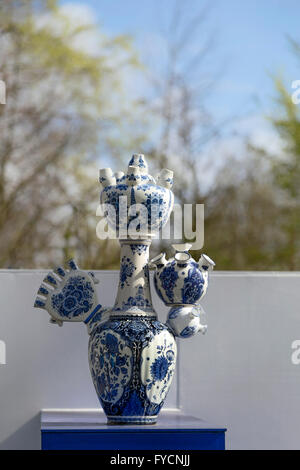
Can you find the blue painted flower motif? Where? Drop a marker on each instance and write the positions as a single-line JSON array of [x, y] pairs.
[[111, 364], [75, 298], [159, 368], [112, 344], [137, 330], [138, 248], [157, 200], [69, 303], [133, 177], [155, 204], [78, 295], [112, 198], [135, 406], [127, 269], [120, 361], [126, 390], [137, 326], [193, 286], [168, 278]]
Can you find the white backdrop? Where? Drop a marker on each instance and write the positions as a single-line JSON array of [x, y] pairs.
[[240, 375]]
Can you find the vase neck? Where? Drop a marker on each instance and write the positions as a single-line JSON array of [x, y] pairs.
[[134, 296]]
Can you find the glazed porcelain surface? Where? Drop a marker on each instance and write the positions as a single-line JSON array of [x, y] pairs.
[[181, 280], [132, 355]]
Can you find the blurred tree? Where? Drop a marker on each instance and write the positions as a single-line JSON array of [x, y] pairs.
[[66, 105], [241, 216], [253, 211], [286, 173], [63, 107], [252, 204], [182, 80]]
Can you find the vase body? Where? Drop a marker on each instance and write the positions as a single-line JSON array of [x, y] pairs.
[[132, 362], [132, 355]]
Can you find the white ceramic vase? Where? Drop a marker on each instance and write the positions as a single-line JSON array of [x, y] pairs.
[[132, 355]]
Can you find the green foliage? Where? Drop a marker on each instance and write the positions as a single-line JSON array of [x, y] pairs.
[[68, 113], [287, 170], [253, 214], [61, 113]]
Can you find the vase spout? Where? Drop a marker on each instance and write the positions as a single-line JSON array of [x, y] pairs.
[[165, 178], [158, 261], [106, 177], [206, 263]]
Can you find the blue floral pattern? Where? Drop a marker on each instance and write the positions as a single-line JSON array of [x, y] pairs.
[[193, 286], [157, 200], [161, 366], [75, 298], [118, 352], [111, 365], [179, 283], [168, 278], [132, 355], [126, 271], [155, 203], [138, 248]]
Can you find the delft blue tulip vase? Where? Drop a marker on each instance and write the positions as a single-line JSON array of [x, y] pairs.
[[132, 355]]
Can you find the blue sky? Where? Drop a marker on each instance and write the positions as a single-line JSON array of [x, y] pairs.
[[251, 44]]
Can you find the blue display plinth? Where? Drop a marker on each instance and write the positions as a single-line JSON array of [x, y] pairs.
[[87, 430]]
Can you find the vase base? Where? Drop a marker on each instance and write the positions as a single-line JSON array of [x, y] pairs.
[[131, 419]]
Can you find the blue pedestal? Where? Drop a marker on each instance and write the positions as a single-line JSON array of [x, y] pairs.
[[89, 431]]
